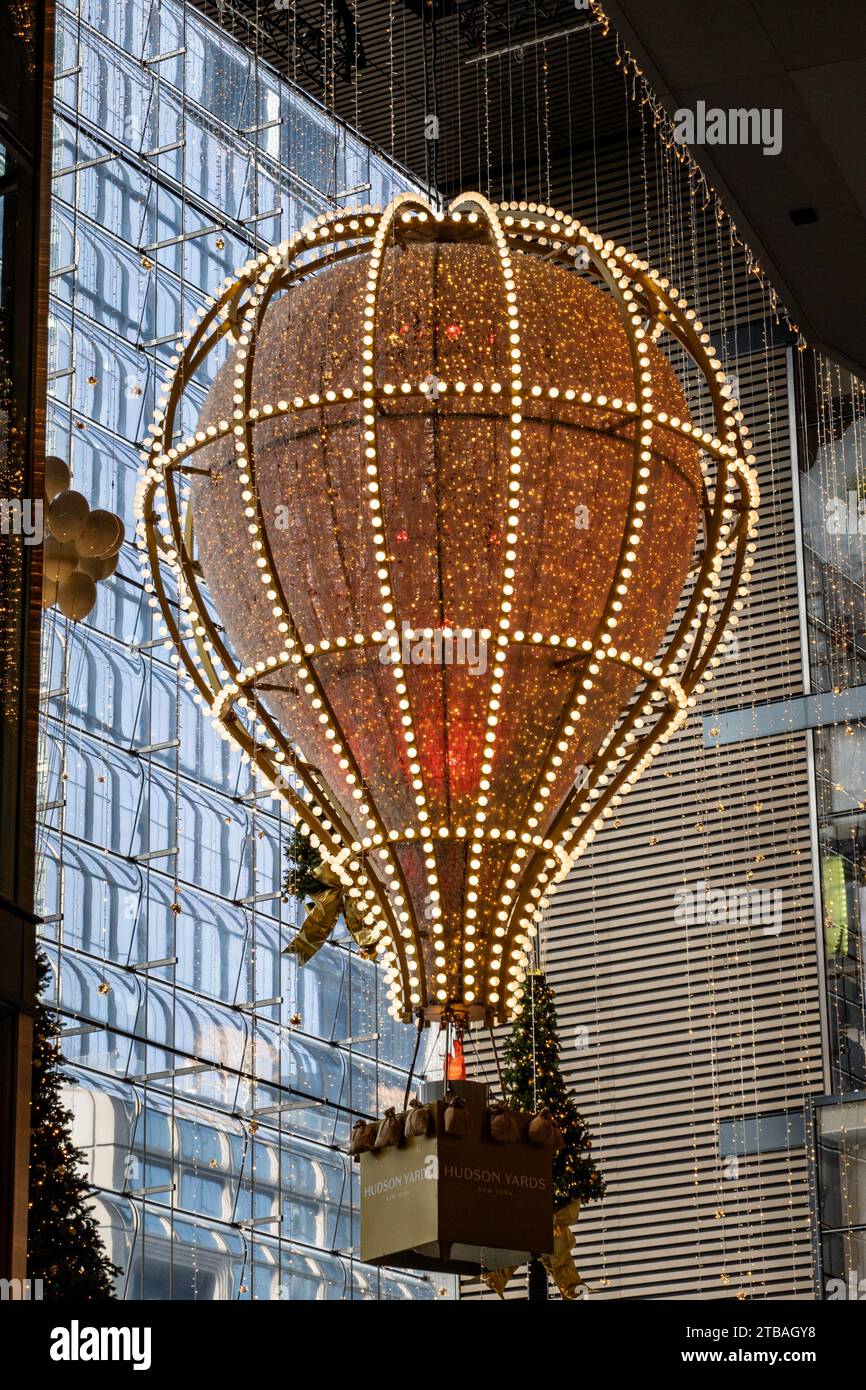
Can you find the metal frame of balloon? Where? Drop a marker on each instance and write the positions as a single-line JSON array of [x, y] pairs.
[[647, 306]]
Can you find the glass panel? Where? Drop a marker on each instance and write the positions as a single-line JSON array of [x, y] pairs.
[[160, 877], [762, 1134], [833, 505], [841, 1206]]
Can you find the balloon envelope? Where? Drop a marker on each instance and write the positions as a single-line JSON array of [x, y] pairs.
[[412, 708], [76, 596], [56, 476], [101, 535], [59, 559], [67, 515]]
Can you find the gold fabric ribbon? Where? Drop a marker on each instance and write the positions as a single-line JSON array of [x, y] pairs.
[[559, 1265], [321, 919]]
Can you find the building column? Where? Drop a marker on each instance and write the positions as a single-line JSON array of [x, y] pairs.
[[27, 43]]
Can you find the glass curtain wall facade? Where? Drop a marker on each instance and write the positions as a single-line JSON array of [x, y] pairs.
[[832, 481], [832, 461], [213, 1084]]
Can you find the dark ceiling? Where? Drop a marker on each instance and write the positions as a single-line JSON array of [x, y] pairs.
[[517, 115], [809, 61]]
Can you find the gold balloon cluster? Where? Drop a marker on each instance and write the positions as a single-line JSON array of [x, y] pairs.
[[81, 547]]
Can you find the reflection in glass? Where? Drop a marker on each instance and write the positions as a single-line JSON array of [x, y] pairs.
[[833, 508], [212, 1082]]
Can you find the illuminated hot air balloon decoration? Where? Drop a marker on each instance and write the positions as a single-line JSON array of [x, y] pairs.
[[453, 558]]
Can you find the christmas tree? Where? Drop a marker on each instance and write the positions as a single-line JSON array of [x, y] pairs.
[[64, 1248], [302, 862], [533, 1081]]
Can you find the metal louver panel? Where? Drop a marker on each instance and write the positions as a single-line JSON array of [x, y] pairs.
[[670, 1029]]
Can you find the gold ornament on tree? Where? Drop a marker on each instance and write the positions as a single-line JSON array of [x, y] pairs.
[[472, 558]]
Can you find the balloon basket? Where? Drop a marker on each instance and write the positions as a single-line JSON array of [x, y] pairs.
[[457, 1204]]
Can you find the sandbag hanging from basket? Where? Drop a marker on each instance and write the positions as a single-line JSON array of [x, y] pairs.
[[419, 1120], [544, 1130], [457, 1119], [390, 1130], [363, 1137], [503, 1125]]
